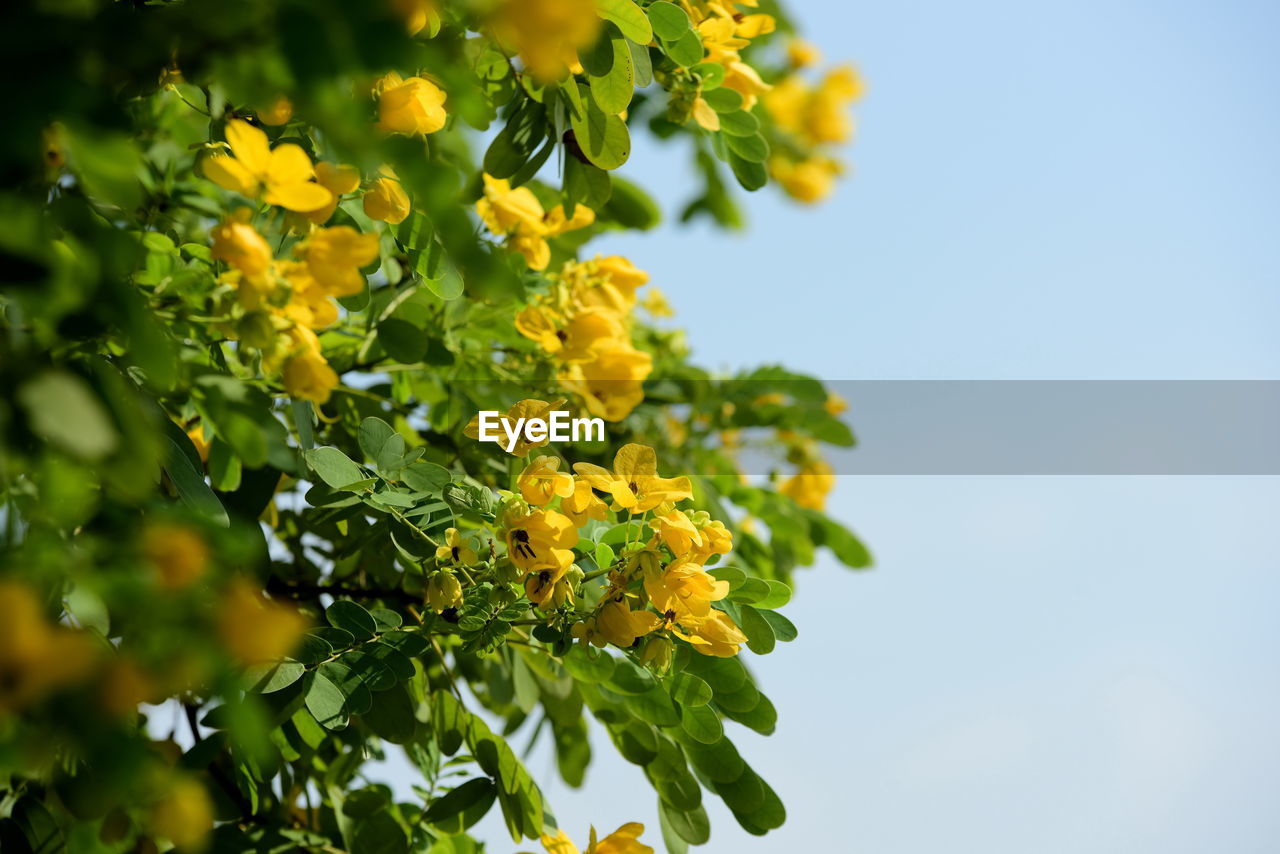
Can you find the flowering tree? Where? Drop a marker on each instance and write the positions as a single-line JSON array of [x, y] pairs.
[[257, 294]]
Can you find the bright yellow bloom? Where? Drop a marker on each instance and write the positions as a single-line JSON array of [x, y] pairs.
[[285, 172], [816, 115], [624, 840], [542, 482], [704, 115], [547, 586], [455, 549], [184, 815], [387, 200], [810, 486], [715, 634], [416, 13], [307, 376], [254, 629], [716, 540], [277, 113], [237, 243], [684, 591], [583, 504], [37, 657], [609, 282], [335, 256], [615, 623], [444, 591], [525, 409], [309, 304], [412, 106], [677, 532], [547, 33], [539, 539], [591, 332], [179, 554], [517, 214], [835, 404], [338, 179], [634, 482]]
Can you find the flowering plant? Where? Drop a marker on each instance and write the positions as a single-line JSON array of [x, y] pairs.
[[258, 290]]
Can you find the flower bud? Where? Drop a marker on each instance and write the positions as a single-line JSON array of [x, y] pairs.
[[444, 591]]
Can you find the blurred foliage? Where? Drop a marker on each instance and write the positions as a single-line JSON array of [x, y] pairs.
[[256, 286]]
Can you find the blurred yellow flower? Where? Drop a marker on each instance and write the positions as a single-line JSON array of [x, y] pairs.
[[237, 243], [254, 629], [335, 255], [542, 482], [547, 33], [387, 200], [307, 376], [810, 486], [278, 112], [36, 656], [412, 106], [184, 814], [179, 554]]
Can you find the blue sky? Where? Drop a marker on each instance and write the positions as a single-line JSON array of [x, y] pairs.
[[1084, 190]]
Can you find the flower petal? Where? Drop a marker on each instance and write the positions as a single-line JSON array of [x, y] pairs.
[[229, 174], [249, 145], [302, 197]]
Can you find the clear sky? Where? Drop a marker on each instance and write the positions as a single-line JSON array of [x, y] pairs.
[[1084, 190]]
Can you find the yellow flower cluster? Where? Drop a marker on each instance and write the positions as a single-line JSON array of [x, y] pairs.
[[37, 657], [583, 324], [284, 302], [813, 116], [254, 629], [518, 215], [540, 542], [624, 840], [725, 31]]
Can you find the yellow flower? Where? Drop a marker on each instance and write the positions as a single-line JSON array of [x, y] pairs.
[[525, 409], [810, 486], [339, 179], [278, 112], [583, 504], [196, 435], [612, 283], [412, 106], [816, 115], [634, 482], [335, 255], [677, 532], [179, 554], [591, 332], [307, 376], [835, 404], [716, 540], [517, 214], [542, 482], [715, 634], [707, 118], [611, 385], [539, 539], [285, 171], [684, 591], [254, 629], [309, 305], [444, 591], [802, 54], [503, 209], [547, 585], [617, 624], [387, 201], [123, 685], [37, 657], [455, 549], [540, 324], [547, 33], [416, 13], [184, 815], [624, 840], [808, 181], [237, 243]]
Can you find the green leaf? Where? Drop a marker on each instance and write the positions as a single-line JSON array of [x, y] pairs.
[[63, 409], [750, 174], [752, 148], [450, 721], [351, 616], [631, 207], [761, 717], [610, 73], [403, 341], [423, 476], [630, 678], [628, 18], [392, 717], [588, 664], [669, 21], [760, 636], [602, 138], [654, 706], [739, 123], [783, 629], [641, 62], [188, 479], [525, 130], [723, 100], [779, 594], [719, 762], [688, 690], [585, 184], [277, 676], [693, 826], [334, 467], [462, 807], [702, 724], [685, 51], [670, 776], [326, 702]]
